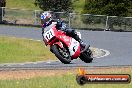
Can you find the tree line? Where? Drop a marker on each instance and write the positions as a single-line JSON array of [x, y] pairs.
[[103, 7], [54, 5], [2, 3], [108, 7]]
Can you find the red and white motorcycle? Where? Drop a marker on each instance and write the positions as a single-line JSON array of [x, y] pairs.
[[65, 47]]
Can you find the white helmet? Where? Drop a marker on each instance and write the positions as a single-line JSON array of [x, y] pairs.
[[45, 16]]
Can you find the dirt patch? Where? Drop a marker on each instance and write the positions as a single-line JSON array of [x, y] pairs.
[[27, 74]]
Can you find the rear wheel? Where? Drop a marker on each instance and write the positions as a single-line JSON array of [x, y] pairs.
[[62, 54], [86, 56]]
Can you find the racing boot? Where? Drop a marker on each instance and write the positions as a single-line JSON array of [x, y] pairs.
[[84, 47], [73, 34]]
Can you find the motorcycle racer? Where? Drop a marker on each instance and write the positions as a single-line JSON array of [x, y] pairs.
[[47, 20]]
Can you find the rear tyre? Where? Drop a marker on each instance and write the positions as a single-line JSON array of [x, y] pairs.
[[86, 56], [62, 54]]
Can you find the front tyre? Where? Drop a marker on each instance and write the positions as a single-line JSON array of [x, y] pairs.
[[62, 54], [86, 56]]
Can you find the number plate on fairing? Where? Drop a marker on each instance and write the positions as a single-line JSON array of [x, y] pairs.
[[48, 35]]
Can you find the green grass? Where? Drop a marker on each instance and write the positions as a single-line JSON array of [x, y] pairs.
[[21, 4], [64, 81], [14, 50], [22, 16], [61, 81]]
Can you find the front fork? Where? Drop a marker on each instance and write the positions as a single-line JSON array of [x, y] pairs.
[[59, 44], [61, 49]]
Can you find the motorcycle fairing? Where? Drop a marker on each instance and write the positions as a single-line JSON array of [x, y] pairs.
[[73, 45], [74, 48]]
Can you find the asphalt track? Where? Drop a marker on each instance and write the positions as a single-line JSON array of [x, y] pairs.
[[119, 44]]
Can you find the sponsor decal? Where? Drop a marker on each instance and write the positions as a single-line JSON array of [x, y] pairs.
[[83, 78]]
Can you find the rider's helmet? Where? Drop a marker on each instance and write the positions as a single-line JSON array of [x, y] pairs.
[[45, 18]]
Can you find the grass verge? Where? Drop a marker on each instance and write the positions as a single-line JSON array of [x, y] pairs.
[[60, 79], [21, 4], [14, 50]]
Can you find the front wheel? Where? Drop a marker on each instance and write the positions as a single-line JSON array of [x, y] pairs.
[[62, 54], [86, 56]]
